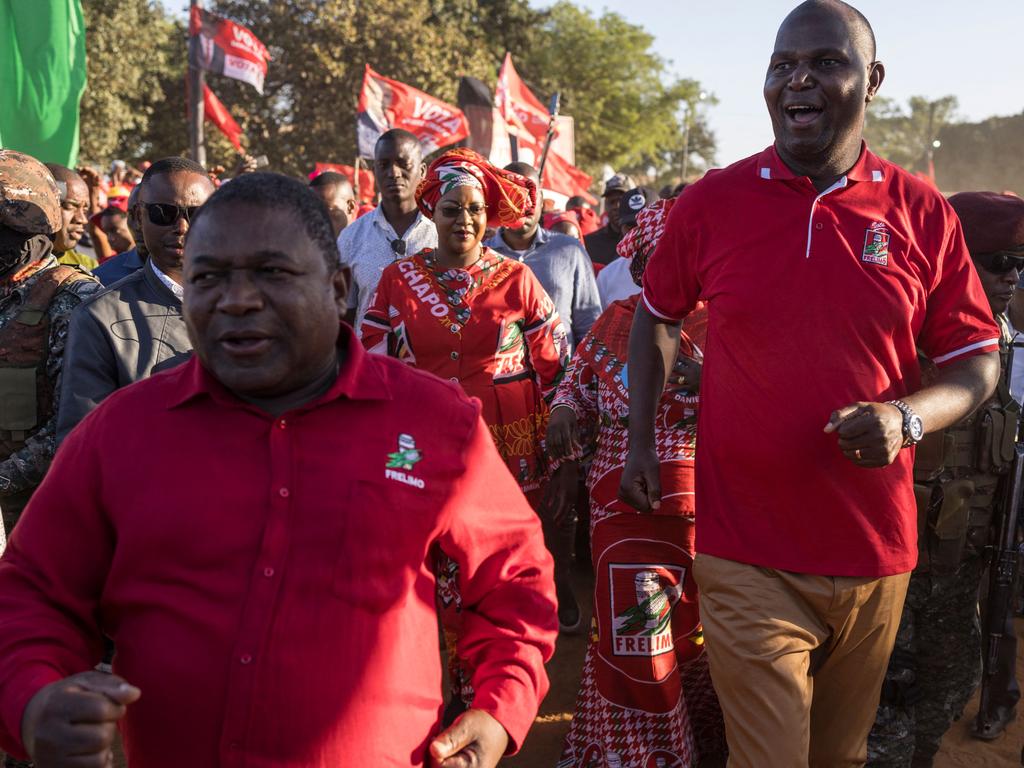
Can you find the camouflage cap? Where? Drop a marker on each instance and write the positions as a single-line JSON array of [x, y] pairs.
[[29, 198]]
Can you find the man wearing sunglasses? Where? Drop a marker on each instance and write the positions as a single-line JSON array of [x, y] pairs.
[[134, 328], [936, 663]]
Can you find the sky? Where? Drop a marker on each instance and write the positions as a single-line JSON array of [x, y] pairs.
[[930, 48]]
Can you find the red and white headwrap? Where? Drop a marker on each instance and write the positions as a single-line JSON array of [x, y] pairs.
[[510, 198], [639, 242]]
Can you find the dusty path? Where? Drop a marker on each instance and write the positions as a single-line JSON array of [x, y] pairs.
[[544, 745]]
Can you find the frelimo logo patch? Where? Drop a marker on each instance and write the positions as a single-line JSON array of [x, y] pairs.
[[876, 244], [405, 458]]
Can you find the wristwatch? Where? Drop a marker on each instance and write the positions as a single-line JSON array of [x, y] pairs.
[[913, 427]]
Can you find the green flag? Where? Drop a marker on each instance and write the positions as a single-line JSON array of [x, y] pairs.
[[42, 77]]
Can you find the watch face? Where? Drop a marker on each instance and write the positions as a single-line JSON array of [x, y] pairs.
[[916, 428]]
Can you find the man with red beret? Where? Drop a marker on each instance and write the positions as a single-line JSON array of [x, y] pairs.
[[937, 661]]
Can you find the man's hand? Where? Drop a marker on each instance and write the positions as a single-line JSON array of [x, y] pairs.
[[561, 439], [560, 494], [475, 740], [870, 434], [641, 480], [73, 722]]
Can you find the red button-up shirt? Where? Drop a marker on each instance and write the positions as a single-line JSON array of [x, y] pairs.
[[267, 580], [815, 300]]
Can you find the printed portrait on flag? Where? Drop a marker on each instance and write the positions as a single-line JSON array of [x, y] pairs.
[[221, 46]]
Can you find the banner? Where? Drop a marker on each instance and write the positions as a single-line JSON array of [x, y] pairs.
[[527, 120], [218, 114], [386, 104], [517, 104], [367, 188], [42, 77], [220, 46]]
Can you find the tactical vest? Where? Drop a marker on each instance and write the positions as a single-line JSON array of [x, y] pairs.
[[26, 391], [956, 477]]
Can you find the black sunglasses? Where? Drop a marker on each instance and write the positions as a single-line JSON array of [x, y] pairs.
[[398, 246], [1000, 262], [165, 214]]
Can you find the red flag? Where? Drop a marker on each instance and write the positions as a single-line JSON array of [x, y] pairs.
[[366, 184], [218, 114], [386, 104], [527, 120], [220, 46], [520, 108]]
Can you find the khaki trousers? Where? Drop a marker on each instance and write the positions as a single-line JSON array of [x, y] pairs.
[[797, 660]]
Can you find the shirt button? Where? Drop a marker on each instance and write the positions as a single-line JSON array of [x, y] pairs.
[[283, 493], [246, 659], [268, 572], [282, 424], [455, 355], [234, 745], [454, 379], [819, 225]]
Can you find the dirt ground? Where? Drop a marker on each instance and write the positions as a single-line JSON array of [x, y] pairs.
[[544, 744]]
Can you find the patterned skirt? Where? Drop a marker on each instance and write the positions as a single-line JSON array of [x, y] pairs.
[[645, 699]]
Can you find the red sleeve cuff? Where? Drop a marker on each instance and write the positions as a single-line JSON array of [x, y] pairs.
[[510, 703], [970, 350], [16, 694], [657, 312]]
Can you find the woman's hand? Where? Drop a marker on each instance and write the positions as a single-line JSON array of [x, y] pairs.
[[686, 374], [562, 438]]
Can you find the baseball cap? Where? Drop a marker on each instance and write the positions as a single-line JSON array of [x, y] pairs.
[[634, 201], [620, 182]]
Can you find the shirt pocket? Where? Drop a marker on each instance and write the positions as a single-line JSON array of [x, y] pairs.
[[381, 547]]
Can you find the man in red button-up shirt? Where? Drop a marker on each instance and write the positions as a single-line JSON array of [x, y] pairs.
[[264, 569], [824, 269]]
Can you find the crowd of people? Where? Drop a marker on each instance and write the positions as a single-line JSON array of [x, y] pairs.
[[269, 460]]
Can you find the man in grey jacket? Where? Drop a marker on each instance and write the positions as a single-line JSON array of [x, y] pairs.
[[134, 328]]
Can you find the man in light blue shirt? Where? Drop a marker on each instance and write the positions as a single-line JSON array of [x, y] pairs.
[[560, 263]]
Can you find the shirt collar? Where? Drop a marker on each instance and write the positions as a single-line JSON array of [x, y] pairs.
[[172, 286], [500, 243], [868, 167], [359, 378], [380, 220]]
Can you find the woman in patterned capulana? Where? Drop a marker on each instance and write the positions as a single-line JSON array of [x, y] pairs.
[[467, 314], [645, 698]]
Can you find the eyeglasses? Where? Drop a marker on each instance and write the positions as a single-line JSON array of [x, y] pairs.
[[398, 246], [1000, 262], [166, 214], [453, 211]]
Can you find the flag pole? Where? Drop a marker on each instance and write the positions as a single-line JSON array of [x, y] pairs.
[[355, 181], [556, 101], [197, 80]]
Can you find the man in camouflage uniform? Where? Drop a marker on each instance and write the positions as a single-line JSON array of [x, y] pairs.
[[36, 298], [936, 664]]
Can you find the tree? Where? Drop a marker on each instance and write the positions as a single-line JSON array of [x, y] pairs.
[[904, 135], [135, 57], [982, 156], [627, 113]]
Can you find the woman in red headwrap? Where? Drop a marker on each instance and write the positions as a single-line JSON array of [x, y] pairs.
[[466, 313], [645, 698]]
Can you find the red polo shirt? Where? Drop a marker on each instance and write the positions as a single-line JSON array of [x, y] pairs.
[[815, 301], [267, 580]]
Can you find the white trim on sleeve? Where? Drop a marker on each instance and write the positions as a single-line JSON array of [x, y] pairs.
[[655, 312], [964, 350]]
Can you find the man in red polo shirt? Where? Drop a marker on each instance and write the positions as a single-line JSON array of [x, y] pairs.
[[265, 570], [824, 267]]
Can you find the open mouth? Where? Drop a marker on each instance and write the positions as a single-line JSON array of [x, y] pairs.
[[803, 114], [243, 343]]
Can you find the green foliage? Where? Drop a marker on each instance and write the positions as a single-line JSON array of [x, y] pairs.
[[615, 87], [904, 135], [982, 156], [135, 57]]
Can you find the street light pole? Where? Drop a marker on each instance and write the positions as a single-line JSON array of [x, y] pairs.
[[687, 123], [196, 81]]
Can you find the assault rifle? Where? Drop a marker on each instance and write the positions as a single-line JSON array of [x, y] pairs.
[[1004, 562]]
